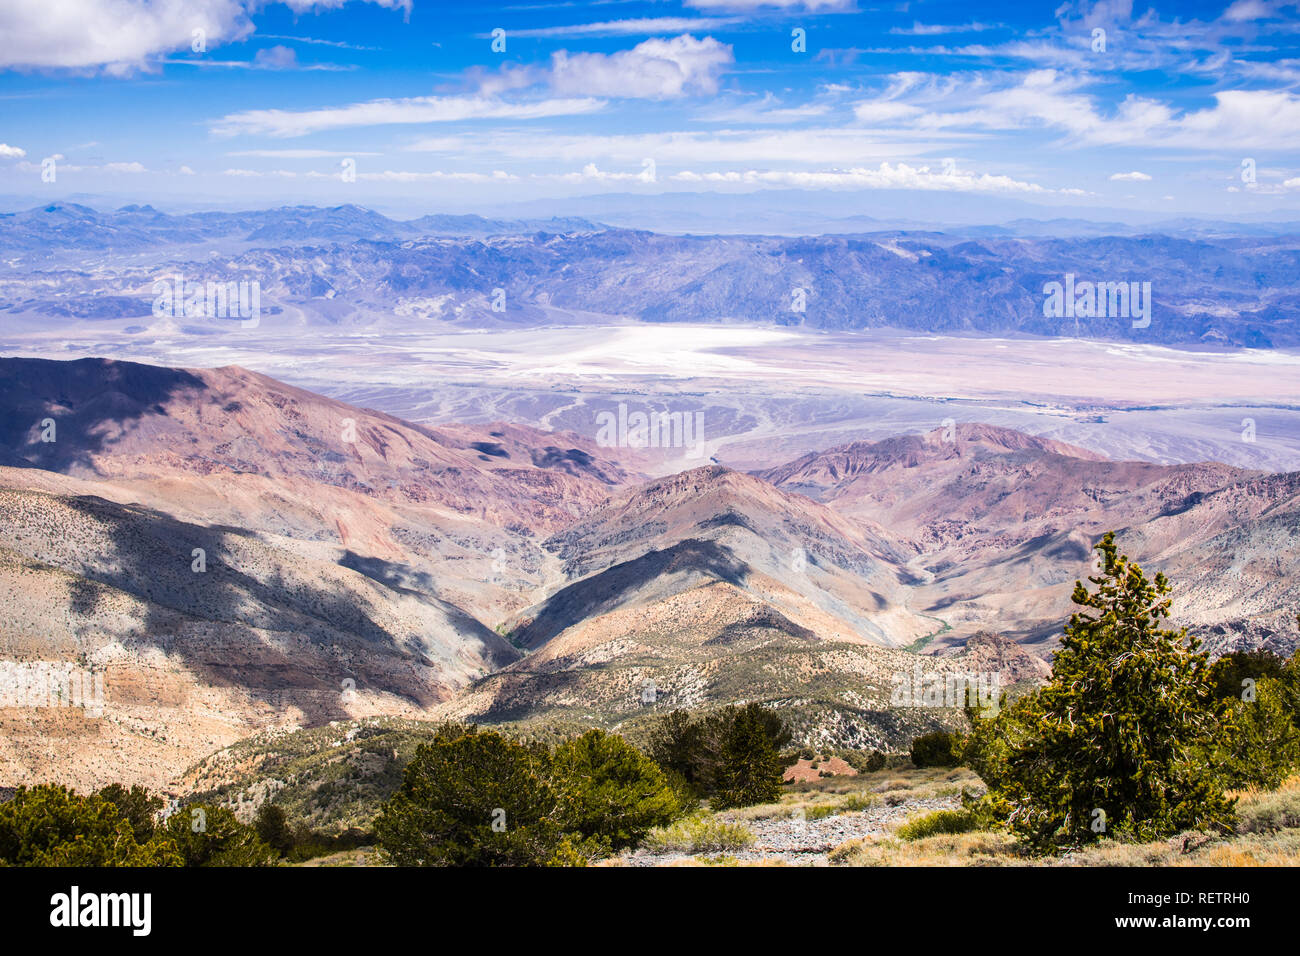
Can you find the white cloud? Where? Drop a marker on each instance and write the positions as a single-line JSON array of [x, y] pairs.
[[1049, 99], [276, 58], [120, 36], [312, 6], [1243, 118], [654, 69], [630, 27], [750, 147], [419, 109], [887, 176], [579, 83], [65, 167], [766, 110], [885, 111], [810, 5], [298, 153], [11, 152], [115, 34], [1249, 10], [1133, 177], [401, 176], [590, 173], [935, 29]]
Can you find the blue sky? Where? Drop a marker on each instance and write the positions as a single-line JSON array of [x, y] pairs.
[[1187, 108]]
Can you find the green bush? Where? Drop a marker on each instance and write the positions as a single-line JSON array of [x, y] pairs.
[[940, 821], [1270, 812], [700, 833], [1231, 671], [50, 825], [938, 749], [208, 835], [609, 793], [309, 844], [1258, 744]]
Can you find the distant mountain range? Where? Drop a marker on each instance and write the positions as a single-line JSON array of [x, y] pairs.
[[354, 564], [136, 227], [348, 265], [803, 212]]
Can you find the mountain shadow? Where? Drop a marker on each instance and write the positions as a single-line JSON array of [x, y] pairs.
[[89, 401], [612, 588]]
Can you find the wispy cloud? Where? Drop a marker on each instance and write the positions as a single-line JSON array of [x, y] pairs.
[[298, 153], [571, 84], [636, 26], [814, 6], [419, 109], [886, 176], [1051, 100], [918, 29]]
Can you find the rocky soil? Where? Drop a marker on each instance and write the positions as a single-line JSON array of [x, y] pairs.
[[791, 841]]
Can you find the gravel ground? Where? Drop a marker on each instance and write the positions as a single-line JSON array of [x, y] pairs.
[[804, 843]]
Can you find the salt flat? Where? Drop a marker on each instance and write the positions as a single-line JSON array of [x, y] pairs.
[[767, 393]]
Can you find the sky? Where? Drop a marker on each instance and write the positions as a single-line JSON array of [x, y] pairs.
[[1185, 109]]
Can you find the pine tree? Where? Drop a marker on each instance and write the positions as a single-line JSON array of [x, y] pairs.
[[750, 767], [1114, 745], [475, 798]]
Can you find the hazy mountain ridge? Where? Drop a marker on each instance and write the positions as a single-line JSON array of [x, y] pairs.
[[348, 265], [133, 227]]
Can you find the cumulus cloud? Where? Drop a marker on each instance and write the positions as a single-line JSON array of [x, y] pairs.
[[655, 69], [1250, 10], [120, 36], [572, 84], [592, 174], [1133, 177], [11, 152]]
